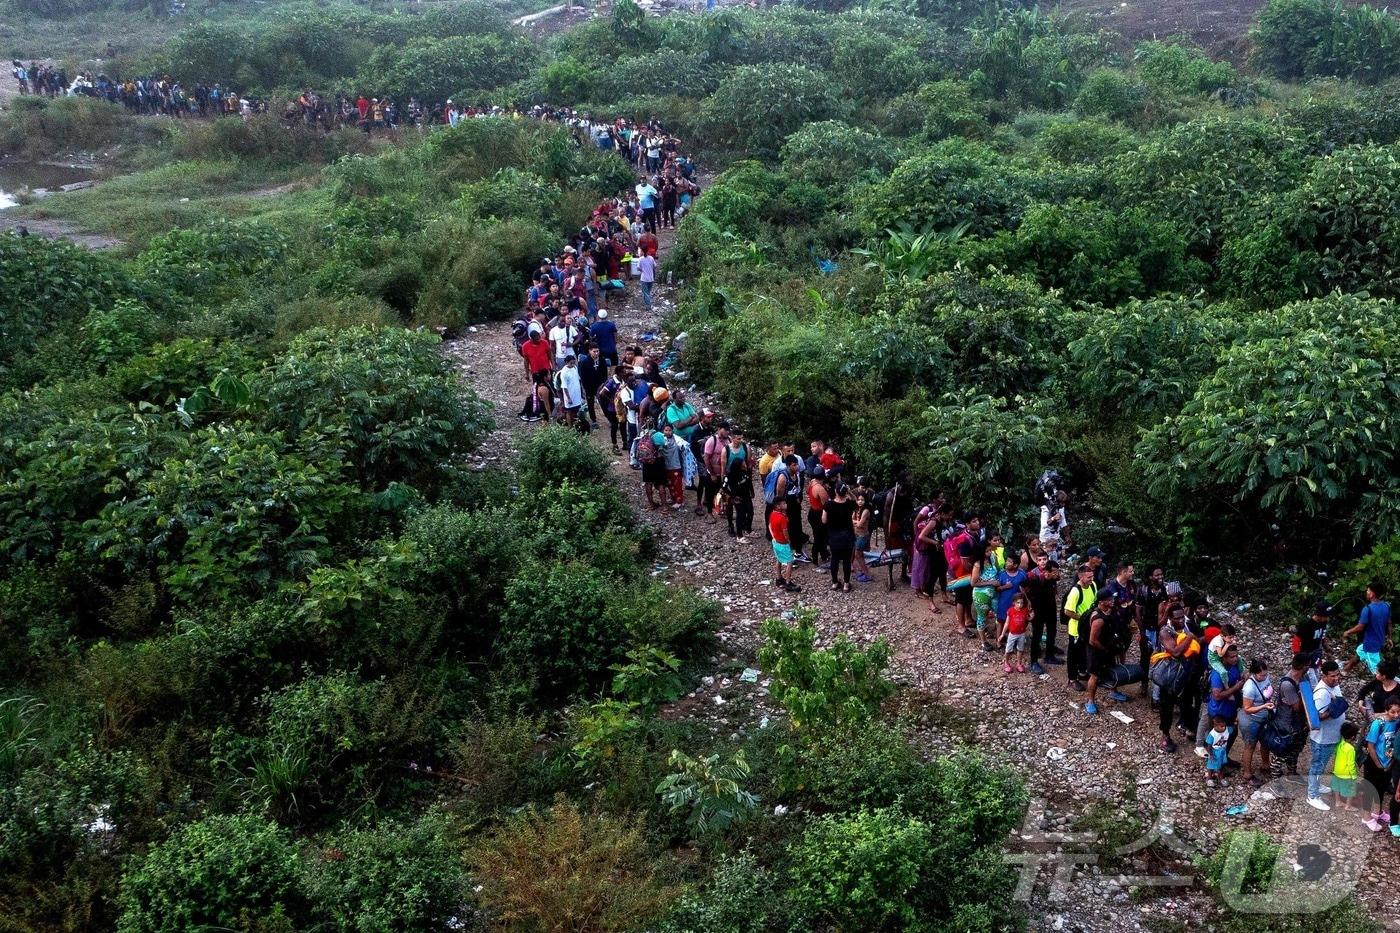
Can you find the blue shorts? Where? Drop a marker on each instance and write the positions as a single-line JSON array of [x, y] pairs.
[[1371, 659], [783, 552], [1249, 729]]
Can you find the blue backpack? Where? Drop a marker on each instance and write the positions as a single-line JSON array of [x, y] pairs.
[[770, 484]]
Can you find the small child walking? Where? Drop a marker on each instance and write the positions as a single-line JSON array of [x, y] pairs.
[[1344, 769], [1217, 752], [1013, 631]]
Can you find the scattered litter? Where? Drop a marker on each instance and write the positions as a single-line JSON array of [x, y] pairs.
[[1122, 717], [1044, 676], [1238, 809], [1242, 607], [1143, 782], [789, 614], [1112, 745], [647, 337], [1263, 795], [471, 330], [763, 723], [1055, 753], [780, 810], [750, 675], [719, 700]]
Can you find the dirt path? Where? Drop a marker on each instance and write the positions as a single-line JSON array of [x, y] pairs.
[[1071, 760]]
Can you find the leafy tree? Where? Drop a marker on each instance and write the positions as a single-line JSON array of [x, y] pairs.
[[835, 155], [953, 182], [861, 871]]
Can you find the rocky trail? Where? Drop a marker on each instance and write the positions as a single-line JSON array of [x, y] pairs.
[[1115, 825]]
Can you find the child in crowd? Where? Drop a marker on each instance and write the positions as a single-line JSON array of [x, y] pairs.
[[1218, 751], [1380, 755], [1013, 630], [1344, 769], [1215, 651]]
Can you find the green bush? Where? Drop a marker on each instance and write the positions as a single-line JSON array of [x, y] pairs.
[[389, 876], [553, 455], [1317, 379], [836, 155], [1296, 39], [1113, 96], [50, 285], [739, 896], [756, 107], [862, 871], [952, 183], [820, 688], [1179, 69], [223, 871], [384, 401]]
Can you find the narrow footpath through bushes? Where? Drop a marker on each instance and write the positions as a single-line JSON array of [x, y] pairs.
[[1144, 814]]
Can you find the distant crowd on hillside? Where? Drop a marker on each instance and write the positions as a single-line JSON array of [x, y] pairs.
[[153, 95]]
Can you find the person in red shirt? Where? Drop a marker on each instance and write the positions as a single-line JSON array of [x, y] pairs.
[[1013, 630], [362, 105], [536, 353], [649, 244], [782, 550]]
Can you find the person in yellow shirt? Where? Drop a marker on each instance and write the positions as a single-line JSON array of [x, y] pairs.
[[1079, 603], [1344, 769], [771, 457]]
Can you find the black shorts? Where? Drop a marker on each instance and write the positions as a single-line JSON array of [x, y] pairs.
[[962, 595], [1100, 662]]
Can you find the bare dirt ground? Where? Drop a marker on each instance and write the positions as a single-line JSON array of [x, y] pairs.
[[1221, 28], [1079, 767]]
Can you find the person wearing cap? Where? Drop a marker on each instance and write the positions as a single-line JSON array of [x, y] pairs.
[[1094, 557], [788, 490], [604, 334], [1373, 625], [1310, 636], [637, 393], [570, 386], [1079, 602]]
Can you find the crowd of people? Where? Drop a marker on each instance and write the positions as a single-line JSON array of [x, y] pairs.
[[1119, 630], [647, 146]]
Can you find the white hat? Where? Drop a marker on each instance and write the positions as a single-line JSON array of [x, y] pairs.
[[602, 315]]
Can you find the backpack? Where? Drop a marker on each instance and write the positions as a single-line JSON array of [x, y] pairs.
[[1047, 486], [1170, 675], [646, 449], [770, 484], [1275, 739]]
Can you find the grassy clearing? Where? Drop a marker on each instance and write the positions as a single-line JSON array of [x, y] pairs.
[[135, 208]]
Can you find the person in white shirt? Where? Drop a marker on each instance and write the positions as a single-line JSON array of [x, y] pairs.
[[561, 338], [646, 266], [1322, 741], [570, 388]]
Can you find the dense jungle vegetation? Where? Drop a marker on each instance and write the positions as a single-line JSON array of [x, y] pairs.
[[280, 654]]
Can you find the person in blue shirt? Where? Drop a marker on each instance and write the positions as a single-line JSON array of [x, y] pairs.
[[604, 333], [1225, 688], [1374, 628], [1379, 764], [1009, 582]]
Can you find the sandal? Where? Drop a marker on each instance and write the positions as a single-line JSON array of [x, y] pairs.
[[835, 587], [846, 588]]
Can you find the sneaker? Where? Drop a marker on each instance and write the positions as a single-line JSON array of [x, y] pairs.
[[1118, 697], [1224, 783], [1036, 669], [1212, 783], [1166, 746], [1384, 817], [1317, 803], [862, 578], [823, 566], [741, 540], [1076, 686], [1091, 708], [1395, 831], [1201, 751], [988, 646], [801, 558], [1372, 824]]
